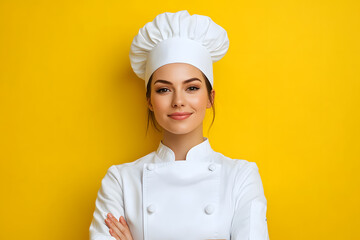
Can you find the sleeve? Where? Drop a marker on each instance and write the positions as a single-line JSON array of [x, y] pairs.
[[109, 199], [249, 220]]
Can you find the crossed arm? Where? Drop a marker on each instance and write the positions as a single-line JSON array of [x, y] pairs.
[[118, 229]]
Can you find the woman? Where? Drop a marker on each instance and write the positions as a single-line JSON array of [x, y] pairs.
[[184, 189]]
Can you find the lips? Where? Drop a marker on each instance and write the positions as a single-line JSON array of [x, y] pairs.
[[180, 115]]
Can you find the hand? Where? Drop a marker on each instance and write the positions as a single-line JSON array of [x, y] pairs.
[[118, 229]]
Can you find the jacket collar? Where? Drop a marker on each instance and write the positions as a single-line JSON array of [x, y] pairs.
[[199, 152]]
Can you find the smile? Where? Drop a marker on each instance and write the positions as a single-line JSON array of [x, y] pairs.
[[180, 116]]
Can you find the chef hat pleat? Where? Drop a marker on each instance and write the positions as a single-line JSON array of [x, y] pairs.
[[178, 38]]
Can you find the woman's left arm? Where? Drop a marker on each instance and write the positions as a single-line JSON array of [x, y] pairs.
[[249, 221]]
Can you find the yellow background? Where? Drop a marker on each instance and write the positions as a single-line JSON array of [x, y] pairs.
[[287, 98]]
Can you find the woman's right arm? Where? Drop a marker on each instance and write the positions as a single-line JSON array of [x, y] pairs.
[[109, 200]]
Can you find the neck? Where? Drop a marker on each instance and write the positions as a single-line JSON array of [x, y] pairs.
[[182, 143]]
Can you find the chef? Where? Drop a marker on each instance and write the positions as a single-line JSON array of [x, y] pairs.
[[183, 190]]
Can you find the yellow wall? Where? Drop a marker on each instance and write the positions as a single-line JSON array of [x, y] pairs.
[[287, 98]]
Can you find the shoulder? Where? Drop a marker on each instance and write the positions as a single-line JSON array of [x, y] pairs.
[[239, 172], [118, 170], [238, 166], [243, 176]]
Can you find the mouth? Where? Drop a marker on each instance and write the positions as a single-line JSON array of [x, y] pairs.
[[180, 115]]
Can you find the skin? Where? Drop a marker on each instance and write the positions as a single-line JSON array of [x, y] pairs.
[[171, 92], [180, 96]]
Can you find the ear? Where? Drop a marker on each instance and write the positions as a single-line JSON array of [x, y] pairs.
[[212, 95], [150, 105]]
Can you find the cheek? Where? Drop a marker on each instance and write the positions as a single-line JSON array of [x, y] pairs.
[[158, 103], [200, 102]]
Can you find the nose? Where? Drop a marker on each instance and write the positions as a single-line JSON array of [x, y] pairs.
[[178, 100]]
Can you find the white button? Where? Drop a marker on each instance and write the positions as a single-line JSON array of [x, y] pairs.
[[209, 209], [212, 167], [150, 167], [151, 208]]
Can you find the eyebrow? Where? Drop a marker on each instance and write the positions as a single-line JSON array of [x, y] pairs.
[[167, 82]]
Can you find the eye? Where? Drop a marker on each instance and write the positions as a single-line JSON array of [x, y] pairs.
[[193, 88], [162, 90]]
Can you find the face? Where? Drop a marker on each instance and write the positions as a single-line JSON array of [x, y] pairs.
[[179, 98]]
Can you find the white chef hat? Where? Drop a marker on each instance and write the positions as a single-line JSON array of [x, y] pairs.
[[178, 38]]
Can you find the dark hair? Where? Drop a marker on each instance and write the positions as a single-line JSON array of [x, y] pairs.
[[151, 116]]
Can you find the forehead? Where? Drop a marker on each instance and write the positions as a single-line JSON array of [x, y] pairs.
[[175, 72]]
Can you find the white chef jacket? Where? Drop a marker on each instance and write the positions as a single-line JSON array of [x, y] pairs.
[[207, 196]]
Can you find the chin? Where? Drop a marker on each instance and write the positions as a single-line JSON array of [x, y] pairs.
[[178, 131], [181, 130]]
